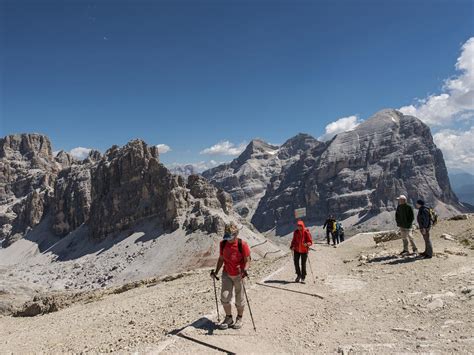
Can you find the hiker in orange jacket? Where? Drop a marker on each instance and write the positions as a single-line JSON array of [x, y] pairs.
[[300, 245]]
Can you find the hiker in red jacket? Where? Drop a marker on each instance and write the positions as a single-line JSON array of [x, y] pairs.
[[300, 245], [234, 255]]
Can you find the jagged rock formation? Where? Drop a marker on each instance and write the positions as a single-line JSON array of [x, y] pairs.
[[359, 174], [27, 174], [108, 194], [246, 177], [130, 184], [72, 199]]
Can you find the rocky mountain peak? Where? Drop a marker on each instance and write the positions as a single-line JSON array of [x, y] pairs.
[[359, 173], [298, 144], [257, 149], [26, 146], [137, 149]]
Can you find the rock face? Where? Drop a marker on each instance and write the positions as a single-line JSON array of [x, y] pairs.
[[130, 184], [72, 199], [108, 194], [246, 177], [27, 174], [359, 174]]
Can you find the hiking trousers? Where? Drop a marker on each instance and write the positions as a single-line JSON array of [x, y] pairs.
[[300, 271], [335, 238], [425, 232], [328, 233], [229, 284], [407, 235]]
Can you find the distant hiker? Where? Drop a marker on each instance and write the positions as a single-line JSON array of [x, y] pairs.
[[424, 222], [235, 256], [330, 226], [300, 245], [404, 217], [340, 232]]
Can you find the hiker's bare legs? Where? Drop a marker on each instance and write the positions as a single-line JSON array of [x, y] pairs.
[[227, 309]]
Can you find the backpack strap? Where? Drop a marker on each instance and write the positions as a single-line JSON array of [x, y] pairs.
[[239, 241]]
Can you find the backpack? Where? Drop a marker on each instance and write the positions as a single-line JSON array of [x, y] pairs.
[[339, 227], [334, 226], [433, 216]]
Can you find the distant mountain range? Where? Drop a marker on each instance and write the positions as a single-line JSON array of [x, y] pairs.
[[356, 176]]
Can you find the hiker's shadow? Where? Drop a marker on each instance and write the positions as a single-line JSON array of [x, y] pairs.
[[402, 261], [280, 282], [202, 323], [381, 259]]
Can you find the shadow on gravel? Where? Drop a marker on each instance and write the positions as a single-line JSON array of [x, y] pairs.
[[403, 261], [280, 282], [381, 259], [204, 324]]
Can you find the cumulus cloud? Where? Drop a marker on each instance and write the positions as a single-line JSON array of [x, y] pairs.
[[163, 148], [456, 101], [80, 153], [457, 147], [343, 124], [224, 148]]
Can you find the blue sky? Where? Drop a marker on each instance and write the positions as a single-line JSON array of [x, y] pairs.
[[190, 74]]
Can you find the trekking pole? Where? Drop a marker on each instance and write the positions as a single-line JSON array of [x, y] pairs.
[[312, 273], [215, 294], [248, 303]]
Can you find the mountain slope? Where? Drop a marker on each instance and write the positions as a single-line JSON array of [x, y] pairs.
[[359, 174], [246, 177], [106, 220]]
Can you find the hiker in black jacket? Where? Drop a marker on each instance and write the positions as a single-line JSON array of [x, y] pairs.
[[424, 222], [330, 228], [404, 218]]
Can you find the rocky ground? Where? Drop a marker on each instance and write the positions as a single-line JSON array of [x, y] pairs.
[[365, 299]]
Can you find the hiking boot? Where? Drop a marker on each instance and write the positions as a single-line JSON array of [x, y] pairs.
[[302, 280], [226, 323], [238, 323], [404, 253], [415, 252], [426, 256], [297, 279]]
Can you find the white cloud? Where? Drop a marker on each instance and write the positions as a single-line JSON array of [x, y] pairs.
[[224, 148], [163, 148], [80, 153], [456, 101], [457, 147], [343, 124]]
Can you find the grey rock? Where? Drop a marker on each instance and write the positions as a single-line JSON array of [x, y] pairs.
[[128, 185], [360, 173], [247, 177]]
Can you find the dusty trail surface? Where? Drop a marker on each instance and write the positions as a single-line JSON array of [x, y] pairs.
[[373, 302]]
